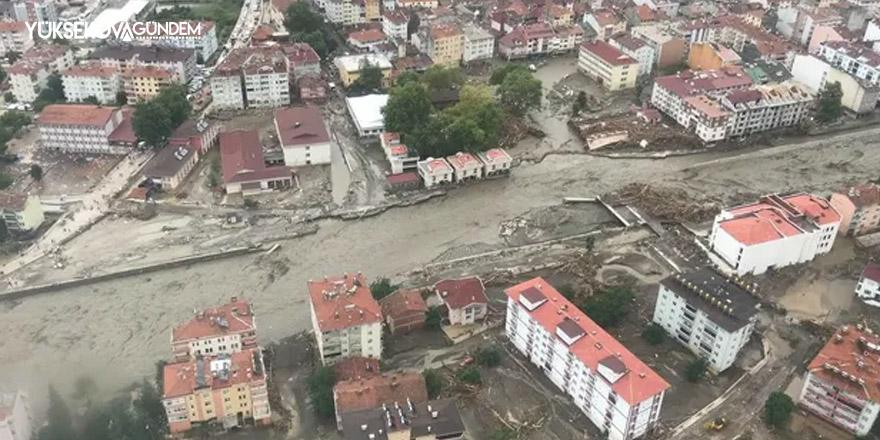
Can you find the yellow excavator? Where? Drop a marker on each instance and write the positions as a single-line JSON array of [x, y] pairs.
[[717, 424]]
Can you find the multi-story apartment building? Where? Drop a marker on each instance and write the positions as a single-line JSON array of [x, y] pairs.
[[91, 79], [479, 44], [15, 416], [394, 24], [605, 24], [709, 313], [372, 11], [841, 382], [465, 166], [29, 74], [346, 318], [345, 12], [303, 136], [31, 11], [230, 328], [143, 83], [418, 4], [252, 78], [181, 62], [495, 161], [608, 66], [229, 389], [350, 67], [859, 209], [711, 56], [619, 393], [80, 128], [445, 44], [670, 92], [358, 394], [21, 212], [434, 172], [539, 39], [637, 49], [775, 232], [868, 288], [435, 419], [767, 107], [669, 49], [14, 37], [205, 43], [397, 153], [859, 61], [303, 60]]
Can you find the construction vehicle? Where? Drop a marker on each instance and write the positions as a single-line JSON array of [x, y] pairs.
[[717, 424]]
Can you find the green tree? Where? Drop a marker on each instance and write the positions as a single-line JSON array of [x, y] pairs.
[[382, 287], [5, 180], [173, 99], [488, 357], [91, 100], [519, 92], [504, 433], [567, 291], [580, 103], [59, 424], [320, 389], [214, 176], [830, 107], [112, 420], [36, 172], [300, 18], [778, 409], [433, 319], [2, 74], [369, 79], [439, 78], [476, 103], [12, 122], [695, 370], [434, 383], [608, 308], [160, 374], [12, 57], [470, 375], [500, 73], [150, 412], [121, 98], [250, 203], [9, 97], [4, 233], [408, 109], [407, 76], [654, 334], [152, 123]]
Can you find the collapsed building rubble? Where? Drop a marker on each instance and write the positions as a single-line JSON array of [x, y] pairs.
[[636, 129], [665, 204]]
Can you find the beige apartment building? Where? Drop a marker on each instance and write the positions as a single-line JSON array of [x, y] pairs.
[[859, 209], [143, 83], [607, 65], [446, 44]]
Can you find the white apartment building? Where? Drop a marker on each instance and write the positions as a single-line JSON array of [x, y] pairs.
[[397, 153], [15, 417], [495, 161], [435, 172], [767, 107], [868, 289], [610, 385], [205, 44], [252, 78], [346, 319], [479, 44], [840, 386], [345, 12], [14, 37], [230, 328], [861, 62], [34, 10], [181, 62], [21, 212], [394, 24], [465, 166], [638, 49], [710, 314], [303, 136], [775, 232], [79, 128], [29, 74], [91, 79]]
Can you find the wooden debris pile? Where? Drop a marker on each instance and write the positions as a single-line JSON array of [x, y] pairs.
[[665, 204]]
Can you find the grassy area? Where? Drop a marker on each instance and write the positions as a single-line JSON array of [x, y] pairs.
[[224, 14]]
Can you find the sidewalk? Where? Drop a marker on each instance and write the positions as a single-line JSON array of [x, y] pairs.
[[93, 206]]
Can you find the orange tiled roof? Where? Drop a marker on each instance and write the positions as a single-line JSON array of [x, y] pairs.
[[235, 317], [342, 302]]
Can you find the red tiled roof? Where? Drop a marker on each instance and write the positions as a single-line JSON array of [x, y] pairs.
[[496, 154], [148, 71], [838, 363], [646, 14], [639, 382], [371, 393], [262, 33], [872, 272], [608, 53], [690, 82], [300, 53], [124, 132], [233, 318], [606, 18], [12, 26], [282, 5], [463, 160], [816, 208], [401, 178], [863, 195], [444, 30], [771, 219], [403, 302], [742, 96], [342, 302], [94, 68], [356, 368], [180, 379], [241, 155], [76, 114], [396, 16], [631, 43], [462, 292], [300, 126], [367, 36], [37, 57], [14, 201]]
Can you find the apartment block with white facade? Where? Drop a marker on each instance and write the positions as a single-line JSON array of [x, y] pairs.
[[618, 393], [710, 314], [346, 319], [29, 74], [252, 78], [181, 62], [394, 23], [91, 79], [14, 37], [637, 49], [767, 107], [15, 416], [205, 43], [775, 232], [868, 288], [479, 44], [859, 61], [435, 172], [303, 136], [227, 329], [842, 384], [345, 12]]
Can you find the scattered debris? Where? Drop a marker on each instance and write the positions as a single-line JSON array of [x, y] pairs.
[[664, 204]]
